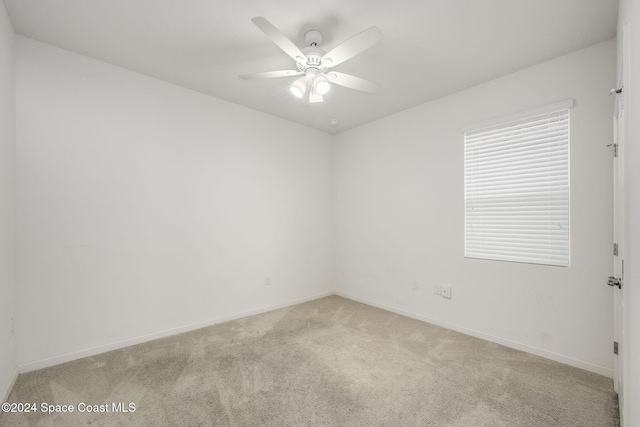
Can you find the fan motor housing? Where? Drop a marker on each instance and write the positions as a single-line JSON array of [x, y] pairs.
[[313, 56]]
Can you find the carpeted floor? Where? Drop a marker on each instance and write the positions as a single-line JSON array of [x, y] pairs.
[[328, 362]]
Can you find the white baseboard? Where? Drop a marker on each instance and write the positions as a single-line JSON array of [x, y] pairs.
[[587, 366], [9, 387], [56, 360]]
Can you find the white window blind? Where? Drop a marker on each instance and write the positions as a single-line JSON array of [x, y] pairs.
[[516, 189]]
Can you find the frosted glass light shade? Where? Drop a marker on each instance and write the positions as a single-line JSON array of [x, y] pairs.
[[299, 87], [321, 85]]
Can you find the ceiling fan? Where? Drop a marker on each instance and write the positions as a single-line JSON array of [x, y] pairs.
[[313, 63]]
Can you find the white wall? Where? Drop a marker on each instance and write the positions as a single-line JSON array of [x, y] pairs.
[[399, 215], [629, 13], [145, 207], [7, 205]]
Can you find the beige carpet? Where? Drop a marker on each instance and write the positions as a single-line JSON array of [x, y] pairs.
[[328, 362]]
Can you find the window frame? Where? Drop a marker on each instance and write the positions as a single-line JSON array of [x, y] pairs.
[[497, 244]]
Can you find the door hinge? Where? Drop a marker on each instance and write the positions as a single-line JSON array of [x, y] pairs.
[[615, 150], [615, 249], [615, 347]]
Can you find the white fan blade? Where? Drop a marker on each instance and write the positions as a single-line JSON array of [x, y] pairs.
[[271, 74], [352, 47], [352, 82], [280, 39]]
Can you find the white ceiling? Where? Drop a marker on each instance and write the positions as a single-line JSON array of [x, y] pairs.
[[431, 48]]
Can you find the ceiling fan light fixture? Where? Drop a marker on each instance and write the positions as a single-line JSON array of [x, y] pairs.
[[321, 84], [299, 87], [313, 61]]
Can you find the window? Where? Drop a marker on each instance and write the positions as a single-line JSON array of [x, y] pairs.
[[516, 188]]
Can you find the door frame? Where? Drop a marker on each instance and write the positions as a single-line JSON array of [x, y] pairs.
[[620, 229]]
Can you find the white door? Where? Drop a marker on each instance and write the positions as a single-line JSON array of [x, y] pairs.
[[619, 230], [616, 281]]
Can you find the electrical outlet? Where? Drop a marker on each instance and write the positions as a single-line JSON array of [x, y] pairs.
[[415, 285], [267, 280], [446, 292], [437, 290]]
